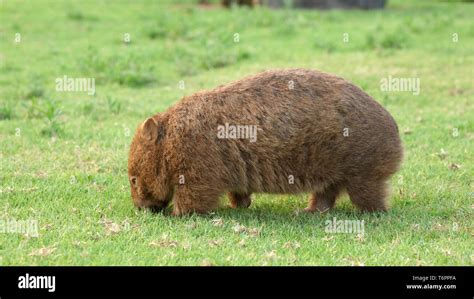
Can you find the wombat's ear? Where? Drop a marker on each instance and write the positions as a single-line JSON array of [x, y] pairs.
[[151, 130]]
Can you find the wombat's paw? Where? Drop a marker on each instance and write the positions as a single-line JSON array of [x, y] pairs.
[[239, 200]]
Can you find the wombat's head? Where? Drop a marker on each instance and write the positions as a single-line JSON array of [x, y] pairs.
[[146, 167]]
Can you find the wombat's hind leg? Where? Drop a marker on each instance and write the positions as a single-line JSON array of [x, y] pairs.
[[323, 201], [238, 200], [368, 195]]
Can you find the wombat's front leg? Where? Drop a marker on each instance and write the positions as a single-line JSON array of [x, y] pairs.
[[323, 201], [238, 200], [187, 201]]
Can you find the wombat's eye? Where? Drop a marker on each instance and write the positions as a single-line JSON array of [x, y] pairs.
[[133, 180]]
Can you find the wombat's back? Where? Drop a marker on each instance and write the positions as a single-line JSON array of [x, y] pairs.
[[313, 130]]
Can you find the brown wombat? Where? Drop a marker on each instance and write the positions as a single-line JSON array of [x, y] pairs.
[[281, 131]]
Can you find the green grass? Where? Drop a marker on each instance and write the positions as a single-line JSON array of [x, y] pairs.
[[64, 154]]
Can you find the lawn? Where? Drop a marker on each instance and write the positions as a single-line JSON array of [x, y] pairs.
[[64, 154]]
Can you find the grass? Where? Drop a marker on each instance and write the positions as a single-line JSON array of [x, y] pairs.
[[64, 154]]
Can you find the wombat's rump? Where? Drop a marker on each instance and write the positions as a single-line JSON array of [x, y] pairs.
[[315, 133]]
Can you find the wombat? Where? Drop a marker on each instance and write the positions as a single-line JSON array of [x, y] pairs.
[[280, 131]]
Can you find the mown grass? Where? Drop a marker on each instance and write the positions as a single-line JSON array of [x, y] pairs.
[[64, 154]]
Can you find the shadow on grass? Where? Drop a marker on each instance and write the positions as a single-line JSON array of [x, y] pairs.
[[268, 215]]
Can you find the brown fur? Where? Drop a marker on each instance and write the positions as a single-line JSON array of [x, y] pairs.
[[176, 155]]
